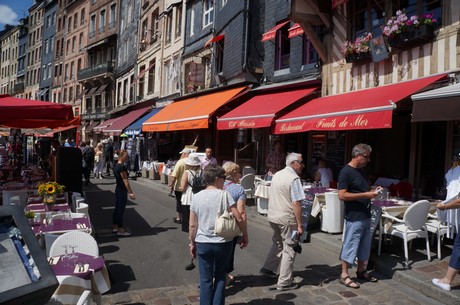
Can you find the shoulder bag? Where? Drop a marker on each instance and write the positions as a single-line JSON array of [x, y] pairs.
[[226, 225]]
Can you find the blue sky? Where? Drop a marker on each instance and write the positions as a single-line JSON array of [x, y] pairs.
[[13, 10]]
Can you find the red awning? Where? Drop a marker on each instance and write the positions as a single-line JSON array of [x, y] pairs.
[[91, 126], [260, 110], [270, 34], [295, 30], [124, 121], [99, 128], [364, 109], [24, 113], [214, 39], [59, 129]]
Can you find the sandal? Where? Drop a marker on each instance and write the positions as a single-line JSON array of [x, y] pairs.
[[179, 221], [363, 275], [348, 282]]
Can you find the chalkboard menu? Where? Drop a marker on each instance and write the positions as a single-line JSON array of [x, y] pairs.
[[335, 151], [306, 205]]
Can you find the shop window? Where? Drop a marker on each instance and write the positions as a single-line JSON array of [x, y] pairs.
[[309, 53]]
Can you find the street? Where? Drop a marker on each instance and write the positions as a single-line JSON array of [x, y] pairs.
[[156, 253]]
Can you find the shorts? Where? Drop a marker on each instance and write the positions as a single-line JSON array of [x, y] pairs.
[[357, 241]]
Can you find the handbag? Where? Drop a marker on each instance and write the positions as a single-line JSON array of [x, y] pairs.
[[226, 225]]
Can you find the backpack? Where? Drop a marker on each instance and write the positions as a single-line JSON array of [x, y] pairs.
[[88, 155], [198, 183]]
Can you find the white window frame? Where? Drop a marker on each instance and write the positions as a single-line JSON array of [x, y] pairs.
[[208, 12]]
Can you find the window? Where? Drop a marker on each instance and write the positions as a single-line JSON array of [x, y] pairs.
[[48, 21], [151, 78], [154, 26], [178, 21], [224, 2], [192, 22], [309, 53], [50, 69], [51, 43], [82, 17], [208, 12], [219, 56], [368, 17], [44, 72], [168, 28], [69, 24], [112, 16], [80, 41], [53, 19], [46, 46], [282, 48], [75, 20], [92, 26], [418, 7], [74, 42], [102, 21]]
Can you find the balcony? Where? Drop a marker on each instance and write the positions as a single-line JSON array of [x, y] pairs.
[[98, 113], [94, 71]]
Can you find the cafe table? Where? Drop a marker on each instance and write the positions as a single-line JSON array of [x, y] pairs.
[[261, 195], [320, 199], [76, 273]]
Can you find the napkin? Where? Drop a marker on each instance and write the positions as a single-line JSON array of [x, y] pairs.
[[81, 226], [53, 260], [81, 268]]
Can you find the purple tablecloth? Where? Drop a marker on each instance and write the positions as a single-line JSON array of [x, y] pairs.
[[63, 225], [67, 267], [41, 207]]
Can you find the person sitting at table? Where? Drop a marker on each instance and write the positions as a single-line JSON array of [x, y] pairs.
[[353, 187], [324, 173], [454, 262]]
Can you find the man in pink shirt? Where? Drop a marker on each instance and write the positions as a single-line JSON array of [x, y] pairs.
[[208, 159]]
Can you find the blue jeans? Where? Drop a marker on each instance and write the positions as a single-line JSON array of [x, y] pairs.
[[121, 198], [213, 265]]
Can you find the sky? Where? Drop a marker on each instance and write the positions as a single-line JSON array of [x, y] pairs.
[[13, 10]]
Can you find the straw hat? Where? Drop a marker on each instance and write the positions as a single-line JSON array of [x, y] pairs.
[[193, 160]]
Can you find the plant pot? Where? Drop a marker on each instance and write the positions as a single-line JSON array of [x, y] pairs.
[[353, 57], [412, 36]]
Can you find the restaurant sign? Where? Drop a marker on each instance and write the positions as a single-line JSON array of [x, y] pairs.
[[259, 122], [368, 120]]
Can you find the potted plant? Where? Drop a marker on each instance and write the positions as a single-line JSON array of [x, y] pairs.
[[30, 215], [49, 190], [401, 29], [358, 49]]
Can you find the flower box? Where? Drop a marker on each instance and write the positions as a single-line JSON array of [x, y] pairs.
[[412, 36], [354, 57]]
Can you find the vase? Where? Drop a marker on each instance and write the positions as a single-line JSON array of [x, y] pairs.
[[49, 201], [353, 57]]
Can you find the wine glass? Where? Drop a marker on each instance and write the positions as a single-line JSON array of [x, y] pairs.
[[66, 254], [73, 257]]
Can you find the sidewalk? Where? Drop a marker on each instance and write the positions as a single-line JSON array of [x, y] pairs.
[[388, 264]]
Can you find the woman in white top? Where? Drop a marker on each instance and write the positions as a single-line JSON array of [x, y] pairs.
[[323, 174], [98, 161], [192, 169]]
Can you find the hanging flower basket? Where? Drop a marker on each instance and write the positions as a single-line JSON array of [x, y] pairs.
[[354, 57], [412, 36]]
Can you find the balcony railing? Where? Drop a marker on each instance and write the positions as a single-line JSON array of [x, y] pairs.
[[96, 70]]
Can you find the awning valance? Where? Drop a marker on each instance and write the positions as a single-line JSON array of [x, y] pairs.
[[270, 34], [136, 128], [364, 109], [192, 113], [295, 30], [60, 129], [442, 104], [261, 110], [91, 126], [124, 121], [214, 39]]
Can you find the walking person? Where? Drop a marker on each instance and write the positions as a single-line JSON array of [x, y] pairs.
[[175, 182], [231, 185], [353, 187], [454, 263], [122, 191], [285, 218], [212, 251], [98, 161], [108, 154], [87, 160], [193, 170]]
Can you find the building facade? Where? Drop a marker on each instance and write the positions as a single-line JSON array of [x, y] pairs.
[[47, 57], [9, 59]]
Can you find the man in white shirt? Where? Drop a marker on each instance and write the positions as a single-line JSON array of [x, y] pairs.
[[208, 159]]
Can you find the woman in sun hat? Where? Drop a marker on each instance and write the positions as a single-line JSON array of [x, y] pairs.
[[192, 170]]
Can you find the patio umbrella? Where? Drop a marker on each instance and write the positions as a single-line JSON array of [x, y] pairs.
[[124, 135], [24, 113]]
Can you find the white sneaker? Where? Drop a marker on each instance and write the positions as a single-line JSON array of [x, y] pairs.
[[443, 286]]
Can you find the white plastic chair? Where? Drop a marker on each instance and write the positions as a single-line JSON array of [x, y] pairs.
[[85, 298], [77, 215], [75, 201], [83, 208], [247, 182], [438, 227], [248, 170], [84, 243], [334, 213], [410, 227]]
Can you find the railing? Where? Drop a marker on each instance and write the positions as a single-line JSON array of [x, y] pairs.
[[93, 71]]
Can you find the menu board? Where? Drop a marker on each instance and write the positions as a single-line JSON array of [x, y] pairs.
[[376, 213]]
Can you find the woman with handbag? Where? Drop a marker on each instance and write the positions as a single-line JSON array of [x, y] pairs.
[[231, 185], [213, 250]]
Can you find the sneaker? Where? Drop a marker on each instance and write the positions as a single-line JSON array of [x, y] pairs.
[[268, 273], [443, 286], [124, 233], [292, 286]]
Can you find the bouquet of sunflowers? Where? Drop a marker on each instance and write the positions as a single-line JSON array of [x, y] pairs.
[[50, 188]]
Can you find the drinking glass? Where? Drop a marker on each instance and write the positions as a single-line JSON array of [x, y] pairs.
[[66, 255], [73, 257]]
